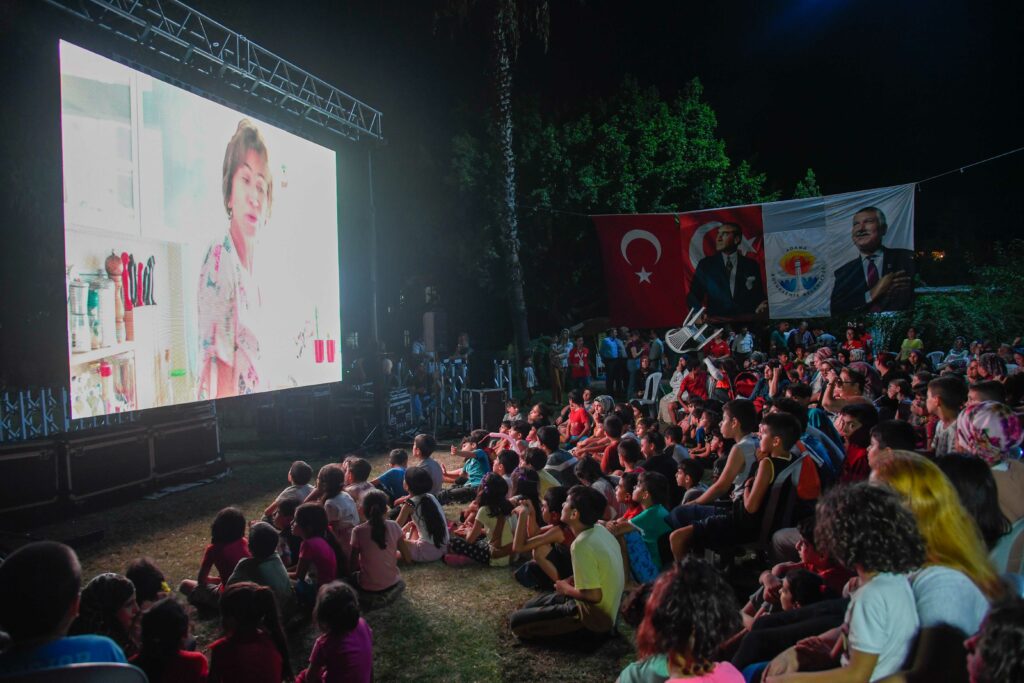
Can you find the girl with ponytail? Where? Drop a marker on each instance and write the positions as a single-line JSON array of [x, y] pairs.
[[486, 540], [253, 649], [376, 546], [422, 518]]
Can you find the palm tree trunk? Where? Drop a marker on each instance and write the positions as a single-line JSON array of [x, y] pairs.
[[504, 28]]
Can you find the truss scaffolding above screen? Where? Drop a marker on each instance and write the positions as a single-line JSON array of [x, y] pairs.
[[205, 46]]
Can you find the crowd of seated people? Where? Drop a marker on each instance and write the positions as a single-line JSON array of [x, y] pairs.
[[877, 490]]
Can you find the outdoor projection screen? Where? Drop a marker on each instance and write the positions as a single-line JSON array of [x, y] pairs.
[[201, 245]]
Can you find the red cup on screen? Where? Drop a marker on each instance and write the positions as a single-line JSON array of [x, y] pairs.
[[318, 350], [330, 350]]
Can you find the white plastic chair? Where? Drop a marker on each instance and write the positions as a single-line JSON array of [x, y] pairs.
[[84, 673], [651, 388], [935, 357], [679, 338]]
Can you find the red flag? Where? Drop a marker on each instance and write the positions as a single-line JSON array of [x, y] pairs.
[[643, 266]]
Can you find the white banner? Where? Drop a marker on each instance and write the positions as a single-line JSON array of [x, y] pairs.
[[840, 254]]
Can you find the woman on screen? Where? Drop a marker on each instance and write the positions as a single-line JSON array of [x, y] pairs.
[[229, 296]]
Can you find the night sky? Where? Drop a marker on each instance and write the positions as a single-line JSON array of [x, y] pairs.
[[866, 93]]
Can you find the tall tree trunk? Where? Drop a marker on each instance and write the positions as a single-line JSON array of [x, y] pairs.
[[504, 29]]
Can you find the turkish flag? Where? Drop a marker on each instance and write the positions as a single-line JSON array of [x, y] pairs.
[[643, 266]]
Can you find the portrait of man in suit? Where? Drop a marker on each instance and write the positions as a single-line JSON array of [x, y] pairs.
[[880, 278], [728, 283]]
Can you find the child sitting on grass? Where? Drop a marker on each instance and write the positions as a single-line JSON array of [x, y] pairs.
[[548, 545], [624, 497], [108, 608], [265, 567], [467, 478], [318, 558], [422, 448], [344, 650], [392, 482], [422, 518], [589, 472], [641, 535], [690, 612], [39, 598], [376, 545], [505, 464], [298, 489], [288, 543], [253, 648], [536, 459], [227, 546], [149, 581], [526, 490], [587, 603], [342, 511], [164, 658], [357, 474], [488, 538]]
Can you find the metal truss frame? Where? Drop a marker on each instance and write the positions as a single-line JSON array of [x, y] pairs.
[[197, 42]]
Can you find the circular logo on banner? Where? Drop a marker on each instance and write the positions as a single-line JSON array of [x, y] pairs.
[[798, 273]]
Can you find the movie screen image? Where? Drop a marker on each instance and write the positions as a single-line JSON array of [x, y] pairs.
[[201, 245]]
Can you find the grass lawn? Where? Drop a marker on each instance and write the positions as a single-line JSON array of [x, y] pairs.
[[451, 624]]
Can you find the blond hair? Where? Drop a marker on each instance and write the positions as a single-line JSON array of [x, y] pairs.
[[951, 535]]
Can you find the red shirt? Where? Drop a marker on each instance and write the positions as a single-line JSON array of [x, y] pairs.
[[246, 658], [696, 383], [718, 348], [577, 421], [855, 467], [224, 557], [579, 361], [185, 667], [320, 557], [632, 510], [610, 458]]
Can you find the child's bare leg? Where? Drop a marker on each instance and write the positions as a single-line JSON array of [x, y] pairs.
[[187, 586], [680, 540]]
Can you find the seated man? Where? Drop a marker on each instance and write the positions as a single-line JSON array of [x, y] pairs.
[[39, 598], [588, 601]]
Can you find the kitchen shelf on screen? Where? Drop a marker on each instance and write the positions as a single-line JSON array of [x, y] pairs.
[[101, 353]]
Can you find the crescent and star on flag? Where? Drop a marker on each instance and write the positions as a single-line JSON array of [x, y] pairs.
[[747, 246]]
